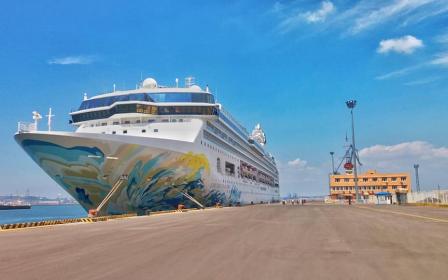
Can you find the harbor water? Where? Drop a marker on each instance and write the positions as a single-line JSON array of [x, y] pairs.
[[41, 213]]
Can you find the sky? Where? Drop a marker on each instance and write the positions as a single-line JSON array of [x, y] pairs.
[[289, 65]]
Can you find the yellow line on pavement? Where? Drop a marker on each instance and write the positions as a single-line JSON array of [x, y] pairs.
[[405, 214]]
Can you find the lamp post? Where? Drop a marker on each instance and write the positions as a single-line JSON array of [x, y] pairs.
[[417, 179], [333, 172], [351, 105], [332, 162]]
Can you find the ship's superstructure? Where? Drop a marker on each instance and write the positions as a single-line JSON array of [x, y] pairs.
[[153, 148]]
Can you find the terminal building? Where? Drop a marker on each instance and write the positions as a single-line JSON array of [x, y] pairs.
[[370, 185]]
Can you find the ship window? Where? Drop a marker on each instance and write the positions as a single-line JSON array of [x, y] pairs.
[[218, 164], [156, 130], [230, 169], [114, 132], [127, 122], [125, 131], [116, 123], [103, 124], [143, 130], [138, 121]]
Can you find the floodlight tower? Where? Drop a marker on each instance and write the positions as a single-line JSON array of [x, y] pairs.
[[351, 105], [417, 179]]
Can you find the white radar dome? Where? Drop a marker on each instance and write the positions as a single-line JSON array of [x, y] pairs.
[[196, 87], [149, 83]]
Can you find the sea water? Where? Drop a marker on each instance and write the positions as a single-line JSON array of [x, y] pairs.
[[41, 213]]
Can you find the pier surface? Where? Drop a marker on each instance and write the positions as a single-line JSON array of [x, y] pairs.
[[254, 242]]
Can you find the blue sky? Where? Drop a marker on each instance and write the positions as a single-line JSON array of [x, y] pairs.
[[289, 65]]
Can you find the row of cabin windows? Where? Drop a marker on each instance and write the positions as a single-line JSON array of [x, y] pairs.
[[226, 138], [145, 109], [137, 122], [374, 179], [364, 188], [143, 131]]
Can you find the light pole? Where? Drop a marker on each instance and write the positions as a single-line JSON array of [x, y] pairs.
[[332, 162], [351, 105], [417, 179]]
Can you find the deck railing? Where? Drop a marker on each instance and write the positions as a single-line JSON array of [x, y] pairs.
[[26, 127]]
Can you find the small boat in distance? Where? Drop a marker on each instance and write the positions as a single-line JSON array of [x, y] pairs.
[[14, 206]]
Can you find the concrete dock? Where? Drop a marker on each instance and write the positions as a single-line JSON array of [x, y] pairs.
[[254, 242]]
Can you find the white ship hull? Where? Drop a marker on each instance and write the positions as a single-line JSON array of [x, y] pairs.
[[158, 171]]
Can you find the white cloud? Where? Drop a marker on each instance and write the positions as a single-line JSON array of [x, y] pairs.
[[415, 149], [367, 14], [441, 60], [424, 81], [298, 163], [401, 157], [399, 73], [69, 60], [294, 19], [406, 44], [320, 15]]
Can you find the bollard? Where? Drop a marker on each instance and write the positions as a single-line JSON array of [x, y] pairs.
[[180, 207]]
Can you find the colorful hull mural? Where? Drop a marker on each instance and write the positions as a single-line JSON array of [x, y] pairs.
[[155, 178]]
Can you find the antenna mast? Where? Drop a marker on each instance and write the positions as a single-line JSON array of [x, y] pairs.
[[49, 116]]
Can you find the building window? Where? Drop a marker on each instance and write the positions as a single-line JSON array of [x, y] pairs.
[[403, 179], [375, 179], [365, 179], [337, 180], [384, 179], [394, 179], [346, 180], [394, 187]]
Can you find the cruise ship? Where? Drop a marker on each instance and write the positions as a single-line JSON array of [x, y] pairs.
[[153, 148]]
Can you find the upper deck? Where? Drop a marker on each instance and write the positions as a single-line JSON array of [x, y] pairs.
[[151, 100]]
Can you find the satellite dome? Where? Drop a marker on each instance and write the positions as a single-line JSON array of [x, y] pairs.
[[149, 83], [196, 87]]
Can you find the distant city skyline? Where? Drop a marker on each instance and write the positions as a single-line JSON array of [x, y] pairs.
[[289, 65]]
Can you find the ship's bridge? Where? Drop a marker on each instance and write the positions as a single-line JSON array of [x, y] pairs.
[[154, 101], [155, 97]]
